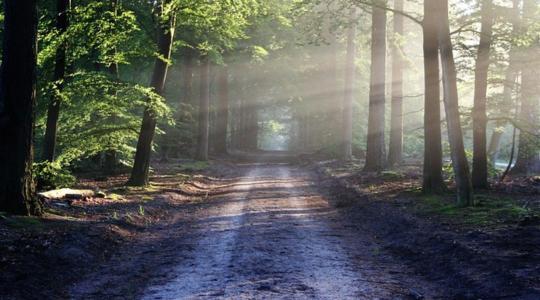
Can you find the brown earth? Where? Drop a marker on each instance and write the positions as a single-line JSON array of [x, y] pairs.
[[279, 231]]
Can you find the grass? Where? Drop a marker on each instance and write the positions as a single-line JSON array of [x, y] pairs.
[[488, 210], [134, 189], [147, 198], [115, 197], [181, 177], [141, 210], [193, 166], [391, 175]]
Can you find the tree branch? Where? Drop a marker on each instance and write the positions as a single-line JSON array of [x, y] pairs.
[[387, 8]]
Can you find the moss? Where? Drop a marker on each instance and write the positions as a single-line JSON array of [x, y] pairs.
[[24, 223], [489, 209], [193, 166]]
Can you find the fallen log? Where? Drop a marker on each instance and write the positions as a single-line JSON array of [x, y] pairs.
[[67, 194]]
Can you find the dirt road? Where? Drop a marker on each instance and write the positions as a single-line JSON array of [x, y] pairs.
[[270, 234]]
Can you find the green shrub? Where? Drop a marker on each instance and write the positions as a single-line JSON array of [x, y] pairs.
[[51, 175]]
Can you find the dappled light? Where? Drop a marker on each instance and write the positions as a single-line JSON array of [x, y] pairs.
[[270, 149]]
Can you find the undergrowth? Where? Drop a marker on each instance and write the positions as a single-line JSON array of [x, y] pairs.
[[488, 210]]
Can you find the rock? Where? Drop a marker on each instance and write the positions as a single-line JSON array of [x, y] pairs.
[[100, 194]]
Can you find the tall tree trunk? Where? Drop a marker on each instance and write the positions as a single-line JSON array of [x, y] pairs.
[[141, 166], [480, 161], [395, 152], [455, 134], [376, 149], [433, 178], [111, 156], [332, 108], [204, 110], [252, 130], [17, 108], [528, 145], [242, 124], [510, 78], [187, 77], [350, 72], [222, 111], [53, 112]]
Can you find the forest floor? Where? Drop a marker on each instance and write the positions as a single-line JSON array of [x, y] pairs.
[[275, 230]]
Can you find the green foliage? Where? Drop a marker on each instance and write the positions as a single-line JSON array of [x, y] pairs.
[[141, 210], [96, 35], [99, 111], [100, 114], [52, 175]]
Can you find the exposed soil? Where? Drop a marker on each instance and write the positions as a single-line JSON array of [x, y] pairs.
[[269, 235], [496, 260], [263, 231]]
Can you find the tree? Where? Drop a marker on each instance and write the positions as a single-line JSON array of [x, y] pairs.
[[432, 179], [204, 109], [395, 151], [528, 121], [480, 161], [141, 166], [222, 121], [17, 108], [350, 71], [53, 113], [111, 156], [451, 105], [376, 150], [187, 76], [510, 77]]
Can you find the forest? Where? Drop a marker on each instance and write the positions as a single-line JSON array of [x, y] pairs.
[[270, 149]]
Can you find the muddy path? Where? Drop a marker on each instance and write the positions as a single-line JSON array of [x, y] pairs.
[[272, 235]]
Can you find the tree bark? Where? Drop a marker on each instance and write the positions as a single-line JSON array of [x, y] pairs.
[[510, 78], [204, 110], [527, 157], [222, 111], [141, 166], [395, 152], [17, 108], [432, 178], [376, 149], [53, 112], [480, 161], [252, 129], [348, 99], [455, 133]]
